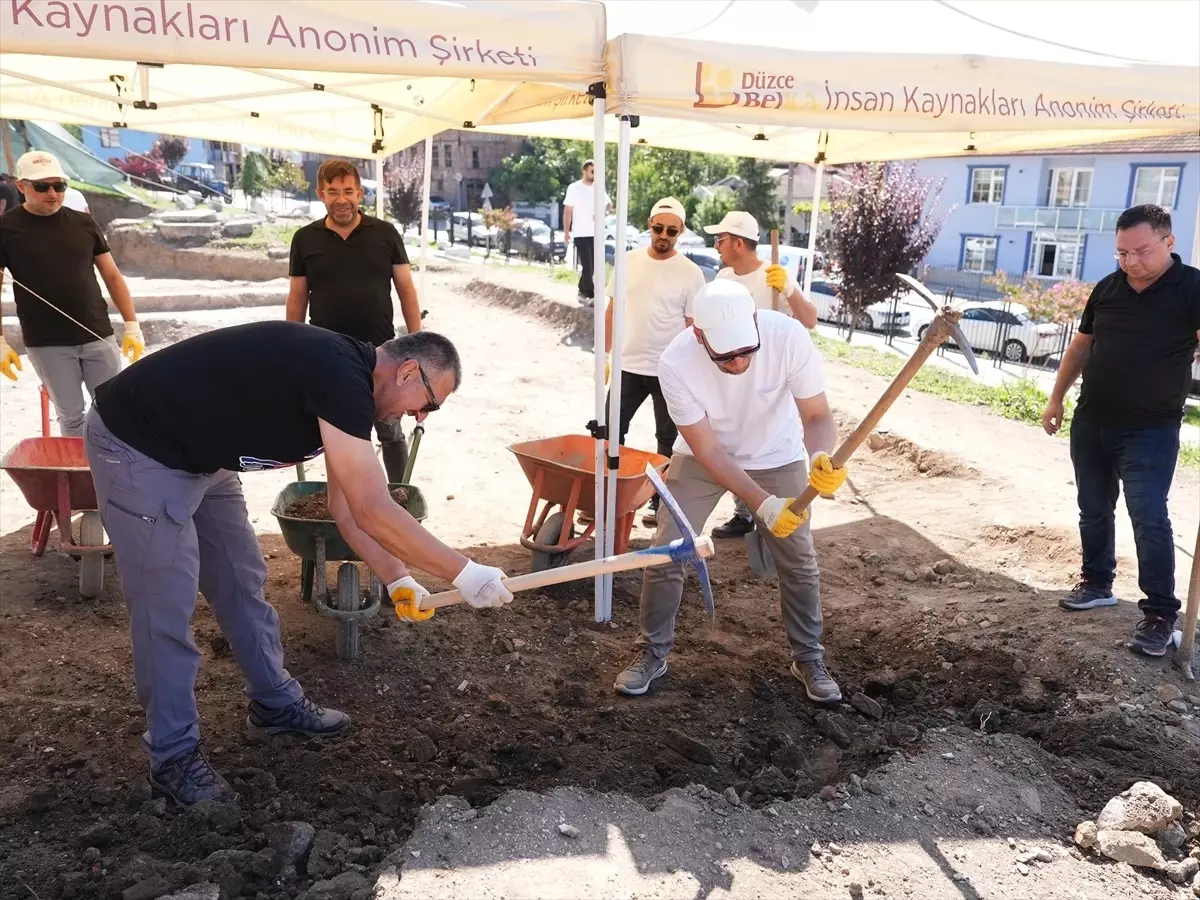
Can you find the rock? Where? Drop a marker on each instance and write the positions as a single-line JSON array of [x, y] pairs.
[[339, 888], [1145, 807], [900, 734], [1178, 706], [503, 645], [1167, 693], [150, 889], [222, 817], [184, 202], [827, 793], [278, 252], [99, 835], [1085, 835], [42, 799], [856, 891], [944, 566], [689, 748], [770, 782], [188, 216], [1173, 836], [291, 840], [243, 227], [1129, 847], [205, 890], [1182, 872], [219, 644], [498, 703], [876, 441], [568, 830], [90, 855], [327, 848], [835, 727], [880, 681], [422, 750], [822, 765], [911, 575], [867, 706], [928, 574], [140, 793], [1019, 666], [188, 232]]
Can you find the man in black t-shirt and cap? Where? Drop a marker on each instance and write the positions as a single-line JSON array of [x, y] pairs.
[[342, 270], [166, 440], [1135, 346]]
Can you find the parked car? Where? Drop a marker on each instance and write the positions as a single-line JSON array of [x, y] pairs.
[[707, 259], [202, 178], [477, 232], [530, 237], [876, 317], [1006, 329], [142, 169]]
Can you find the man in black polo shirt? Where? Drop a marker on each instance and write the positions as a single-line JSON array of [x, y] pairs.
[[343, 268], [166, 440], [1135, 345]]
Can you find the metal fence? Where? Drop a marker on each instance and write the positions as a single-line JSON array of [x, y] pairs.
[[964, 285]]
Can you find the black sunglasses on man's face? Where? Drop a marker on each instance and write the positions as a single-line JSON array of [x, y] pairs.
[[432, 405], [42, 186], [671, 230]]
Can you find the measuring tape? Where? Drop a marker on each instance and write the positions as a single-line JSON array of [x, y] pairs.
[[55, 308]]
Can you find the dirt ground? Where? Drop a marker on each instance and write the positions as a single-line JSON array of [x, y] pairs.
[[941, 560]]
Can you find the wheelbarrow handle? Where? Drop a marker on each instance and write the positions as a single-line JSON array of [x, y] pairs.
[[677, 551], [412, 453]]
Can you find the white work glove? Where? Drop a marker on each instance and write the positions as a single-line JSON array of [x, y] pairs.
[[482, 586], [132, 343], [779, 518], [406, 594]]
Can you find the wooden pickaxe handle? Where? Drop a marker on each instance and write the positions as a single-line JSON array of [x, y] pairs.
[[636, 559], [774, 262], [937, 332]]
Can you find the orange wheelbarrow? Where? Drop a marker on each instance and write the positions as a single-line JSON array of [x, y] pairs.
[[562, 472]]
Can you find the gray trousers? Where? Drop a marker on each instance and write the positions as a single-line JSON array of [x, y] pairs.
[[174, 533], [395, 449], [65, 370], [795, 559]]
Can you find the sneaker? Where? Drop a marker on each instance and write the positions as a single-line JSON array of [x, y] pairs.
[[736, 527], [1088, 596], [302, 717], [636, 679], [818, 683], [1153, 635], [188, 778]]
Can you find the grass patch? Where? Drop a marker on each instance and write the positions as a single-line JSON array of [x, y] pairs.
[[1189, 456], [101, 189], [1191, 416], [265, 236]]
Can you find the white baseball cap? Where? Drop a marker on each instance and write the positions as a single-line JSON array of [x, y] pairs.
[[669, 206], [724, 311], [38, 165], [741, 224]]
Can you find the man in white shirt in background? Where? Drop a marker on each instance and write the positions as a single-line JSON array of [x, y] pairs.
[[660, 285], [744, 387], [579, 222], [737, 242]]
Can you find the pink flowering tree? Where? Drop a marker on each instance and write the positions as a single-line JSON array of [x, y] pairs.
[[1060, 301]]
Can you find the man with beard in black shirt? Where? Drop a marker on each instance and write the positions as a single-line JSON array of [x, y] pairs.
[[166, 440], [1135, 346]]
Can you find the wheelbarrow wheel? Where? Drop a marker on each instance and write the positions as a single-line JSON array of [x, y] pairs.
[[540, 561], [349, 600], [91, 565]]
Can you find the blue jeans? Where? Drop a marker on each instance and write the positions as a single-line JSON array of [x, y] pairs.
[[1142, 460]]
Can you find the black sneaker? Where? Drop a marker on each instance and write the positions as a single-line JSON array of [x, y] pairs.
[[1153, 635], [1088, 596], [738, 526], [189, 778], [302, 717]]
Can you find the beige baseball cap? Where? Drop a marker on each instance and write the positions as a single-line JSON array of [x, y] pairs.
[[38, 165], [738, 223], [724, 311], [669, 206]]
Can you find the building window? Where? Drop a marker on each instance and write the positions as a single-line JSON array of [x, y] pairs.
[[449, 156], [979, 254], [110, 137], [434, 156], [1054, 256], [1155, 184], [1070, 187], [987, 186], [474, 157]]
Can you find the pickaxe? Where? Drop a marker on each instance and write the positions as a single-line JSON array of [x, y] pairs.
[[689, 549], [1185, 640], [944, 325]]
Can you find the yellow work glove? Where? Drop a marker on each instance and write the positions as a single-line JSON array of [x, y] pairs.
[[132, 344], [777, 277], [822, 476], [407, 594], [9, 359], [777, 515], [607, 369]]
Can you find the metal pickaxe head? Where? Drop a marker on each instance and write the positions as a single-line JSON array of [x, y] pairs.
[[684, 550], [955, 332]]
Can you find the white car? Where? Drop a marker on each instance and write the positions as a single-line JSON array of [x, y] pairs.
[[479, 231], [876, 317], [1006, 329]]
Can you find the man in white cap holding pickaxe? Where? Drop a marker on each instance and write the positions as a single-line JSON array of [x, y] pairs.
[[744, 386]]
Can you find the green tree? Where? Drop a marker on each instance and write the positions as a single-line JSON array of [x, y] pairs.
[[256, 175], [172, 149], [657, 172], [712, 210], [75, 131], [757, 195], [288, 178], [541, 171]]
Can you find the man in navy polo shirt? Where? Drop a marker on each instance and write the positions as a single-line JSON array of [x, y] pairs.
[[343, 268], [1134, 348]]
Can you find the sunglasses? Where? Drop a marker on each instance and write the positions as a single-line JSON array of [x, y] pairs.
[[432, 405], [737, 354], [42, 186], [671, 230]]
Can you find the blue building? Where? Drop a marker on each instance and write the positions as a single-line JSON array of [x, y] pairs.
[[110, 143], [1053, 213]]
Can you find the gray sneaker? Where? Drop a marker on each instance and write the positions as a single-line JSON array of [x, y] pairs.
[[636, 679], [189, 778], [818, 683], [1088, 596], [302, 717]]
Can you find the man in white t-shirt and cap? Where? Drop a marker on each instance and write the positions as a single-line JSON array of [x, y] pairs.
[[737, 242], [660, 285], [744, 387], [579, 223]]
